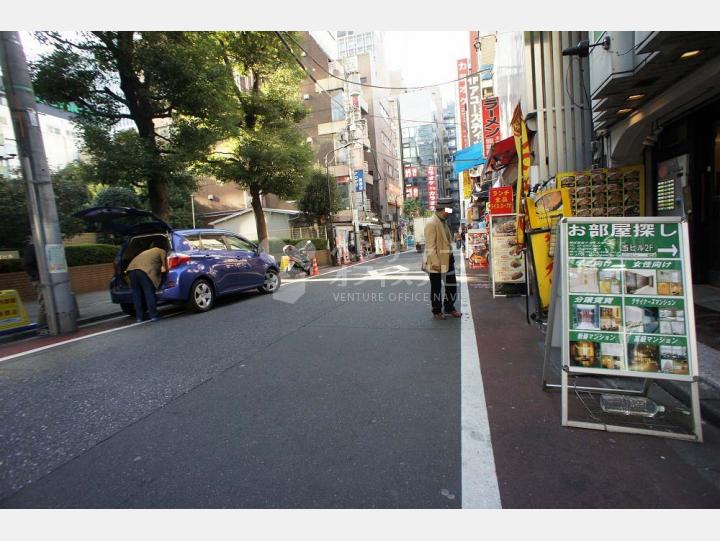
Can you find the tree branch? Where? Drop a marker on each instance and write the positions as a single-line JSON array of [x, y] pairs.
[[56, 37], [229, 66], [94, 110]]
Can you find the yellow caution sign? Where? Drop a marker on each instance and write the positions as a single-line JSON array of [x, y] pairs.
[[12, 312]]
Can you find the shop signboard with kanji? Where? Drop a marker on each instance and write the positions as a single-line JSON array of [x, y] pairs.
[[474, 110], [411, 172], [462, 71], [432, 187], [627, 299], [359, 178], [491, 121], [501, 200]]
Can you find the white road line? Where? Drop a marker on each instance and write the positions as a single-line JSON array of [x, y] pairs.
[[50, 346], [314, 278], [479, 479]]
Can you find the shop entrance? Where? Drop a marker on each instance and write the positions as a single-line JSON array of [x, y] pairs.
[[687, 183]]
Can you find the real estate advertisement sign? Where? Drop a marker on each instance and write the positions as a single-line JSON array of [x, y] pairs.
[[628, 308]]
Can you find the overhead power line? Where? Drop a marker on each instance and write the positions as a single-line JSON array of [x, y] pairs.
[[369, 85]]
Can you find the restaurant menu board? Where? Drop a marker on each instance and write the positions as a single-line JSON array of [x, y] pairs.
[[605, 192], [507, 256], [543, 214], [628, 310], [476, 241]]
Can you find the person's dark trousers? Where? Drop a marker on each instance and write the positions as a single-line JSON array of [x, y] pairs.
[[143, 288], [448, 300]]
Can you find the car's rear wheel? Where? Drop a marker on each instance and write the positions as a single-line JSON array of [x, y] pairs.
[[202, 296], [129, 309], [271, 282]]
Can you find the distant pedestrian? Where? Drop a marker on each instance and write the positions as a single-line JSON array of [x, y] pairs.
[[31, 268], [145, 272], [458, 239], [438, 260]]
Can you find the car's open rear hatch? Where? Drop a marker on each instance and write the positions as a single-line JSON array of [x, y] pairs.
[[126, 221]]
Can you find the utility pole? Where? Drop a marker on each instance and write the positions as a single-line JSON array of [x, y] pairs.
[[47, 239]]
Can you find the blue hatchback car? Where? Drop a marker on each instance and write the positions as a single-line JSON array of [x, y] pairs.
[[202, 264]]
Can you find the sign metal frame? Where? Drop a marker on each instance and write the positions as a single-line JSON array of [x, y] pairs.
[[561, 295]]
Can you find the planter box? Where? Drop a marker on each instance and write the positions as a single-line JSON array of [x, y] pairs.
[[83, 279]]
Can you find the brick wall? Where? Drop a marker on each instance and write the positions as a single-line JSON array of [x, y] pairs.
[[82, 280]]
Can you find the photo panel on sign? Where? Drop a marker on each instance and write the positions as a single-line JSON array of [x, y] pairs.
[[641, 282]]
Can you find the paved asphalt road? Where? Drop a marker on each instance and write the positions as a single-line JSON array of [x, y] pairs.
[[334, 393], [338, 391]]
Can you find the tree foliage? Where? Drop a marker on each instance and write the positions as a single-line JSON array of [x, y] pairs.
[[267, 152], [175, 87], [320, 197], [71, 195], [116, 196], [413, 208]]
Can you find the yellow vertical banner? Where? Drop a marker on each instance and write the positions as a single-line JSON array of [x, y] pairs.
[[522, 147], [467, 185]]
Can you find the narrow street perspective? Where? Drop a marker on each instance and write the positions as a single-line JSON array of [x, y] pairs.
[[349, 270]]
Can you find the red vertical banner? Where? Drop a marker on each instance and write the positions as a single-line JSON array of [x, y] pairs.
[[491, 122], [432, 187], [462, 71]]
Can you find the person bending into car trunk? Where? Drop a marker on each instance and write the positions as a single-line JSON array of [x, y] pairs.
[[145, 271]]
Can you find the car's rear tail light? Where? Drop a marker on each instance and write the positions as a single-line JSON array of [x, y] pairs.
[[176, 260]]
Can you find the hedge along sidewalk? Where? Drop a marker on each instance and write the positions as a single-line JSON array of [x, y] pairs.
[[76, 255]]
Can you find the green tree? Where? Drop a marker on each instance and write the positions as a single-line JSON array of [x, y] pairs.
[[320, 197], [116, 196], [268, 153], [174, 86], [71, 195], [413, 208]]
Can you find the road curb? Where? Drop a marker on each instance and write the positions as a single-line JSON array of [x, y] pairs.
[[22, 335]]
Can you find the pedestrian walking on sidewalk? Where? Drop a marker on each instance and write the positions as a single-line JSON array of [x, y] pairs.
[[145, 272], [438, 262]]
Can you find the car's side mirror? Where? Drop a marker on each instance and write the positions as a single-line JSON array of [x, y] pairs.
[[259, 249]]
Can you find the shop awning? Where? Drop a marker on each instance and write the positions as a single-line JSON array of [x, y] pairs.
[[501, 154], [466, 158]]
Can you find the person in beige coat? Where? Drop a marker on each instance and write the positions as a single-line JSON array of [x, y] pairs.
[[145, 272], [438, 260]]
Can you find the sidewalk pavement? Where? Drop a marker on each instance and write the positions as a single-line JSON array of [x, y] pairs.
[[541, 464], [707, 323]]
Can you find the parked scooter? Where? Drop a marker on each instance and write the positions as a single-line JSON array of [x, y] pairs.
[[298, 259]]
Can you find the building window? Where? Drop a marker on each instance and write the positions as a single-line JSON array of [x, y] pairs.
[[336, 105]]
